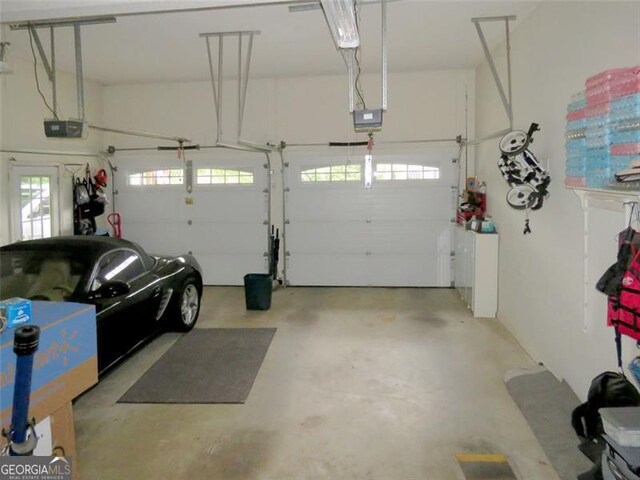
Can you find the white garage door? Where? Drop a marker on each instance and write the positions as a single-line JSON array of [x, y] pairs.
[[221, 222], [396, 233]]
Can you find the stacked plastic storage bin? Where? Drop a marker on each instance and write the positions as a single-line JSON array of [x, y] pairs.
[[612, 107], [575, 141], [625, 136]]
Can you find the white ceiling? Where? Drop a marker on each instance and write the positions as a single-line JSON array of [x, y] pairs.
[[423, 35]]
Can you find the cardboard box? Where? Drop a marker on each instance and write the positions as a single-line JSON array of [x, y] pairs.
[[65, 364], [15, 312], [472, 184]]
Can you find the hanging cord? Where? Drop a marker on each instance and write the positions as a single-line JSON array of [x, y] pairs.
[[358, 87], [35, 71]]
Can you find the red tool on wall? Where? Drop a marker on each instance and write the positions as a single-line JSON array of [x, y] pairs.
[[114, 220]]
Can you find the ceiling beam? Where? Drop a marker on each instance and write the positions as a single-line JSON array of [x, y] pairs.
[[22, 12]]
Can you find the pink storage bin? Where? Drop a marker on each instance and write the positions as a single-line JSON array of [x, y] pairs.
[[608, 75], [576, 115], [626, 149], [597, 109], [611, 84], [575, 182], [627, 87]]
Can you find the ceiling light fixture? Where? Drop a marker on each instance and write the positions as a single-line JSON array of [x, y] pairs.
[[341, 19]]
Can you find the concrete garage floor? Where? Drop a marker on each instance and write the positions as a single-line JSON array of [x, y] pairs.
[[357, 384]]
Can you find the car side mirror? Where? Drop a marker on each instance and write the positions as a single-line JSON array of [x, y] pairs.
[[111, 289]]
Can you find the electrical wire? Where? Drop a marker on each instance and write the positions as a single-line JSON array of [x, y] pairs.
[[35, 71], [358, 87]]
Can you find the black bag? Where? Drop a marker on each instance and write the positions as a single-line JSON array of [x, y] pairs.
[[609, 389]]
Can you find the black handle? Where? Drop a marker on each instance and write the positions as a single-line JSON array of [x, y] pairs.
[[26, 339]]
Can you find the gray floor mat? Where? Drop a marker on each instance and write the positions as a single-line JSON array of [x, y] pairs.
[[547, 404], [217, 365]]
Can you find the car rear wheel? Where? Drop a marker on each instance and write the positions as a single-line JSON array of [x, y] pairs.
[[186, 306]]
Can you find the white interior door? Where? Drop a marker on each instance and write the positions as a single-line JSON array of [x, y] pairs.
[[35, 208], [396, 233], [221, 221]]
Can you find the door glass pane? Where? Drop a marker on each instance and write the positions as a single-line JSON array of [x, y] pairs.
[[35, 207]]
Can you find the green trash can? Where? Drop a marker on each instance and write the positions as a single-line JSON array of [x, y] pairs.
[[257, 291]]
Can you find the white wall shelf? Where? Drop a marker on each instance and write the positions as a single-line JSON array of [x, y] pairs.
[[608, 199]]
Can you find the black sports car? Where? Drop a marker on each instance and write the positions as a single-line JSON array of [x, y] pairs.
[[136, 295]]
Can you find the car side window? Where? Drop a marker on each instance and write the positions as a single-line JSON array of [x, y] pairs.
[[124, 265]]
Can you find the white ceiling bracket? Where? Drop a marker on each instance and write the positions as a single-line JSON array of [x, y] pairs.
[[243, 74]]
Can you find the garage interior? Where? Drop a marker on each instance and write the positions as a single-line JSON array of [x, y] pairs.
[[378, 368]]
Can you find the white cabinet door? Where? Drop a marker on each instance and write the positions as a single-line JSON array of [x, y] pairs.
[[397, 233], [476, 273]]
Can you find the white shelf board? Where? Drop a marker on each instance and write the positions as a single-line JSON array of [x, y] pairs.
[[606, 198]]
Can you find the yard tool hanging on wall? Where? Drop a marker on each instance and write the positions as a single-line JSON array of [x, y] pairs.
[[528, 180]]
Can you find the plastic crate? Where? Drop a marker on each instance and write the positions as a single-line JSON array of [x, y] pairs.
[[626, 125], [576, 145], [571, 181], [598, 178], [598, 157], [625, 101], [597, 110], [622, 424], [577, 97], [576, 115], [625, 136], [598, 121], [577, 105], [625, 149], [606, 76], [575, 125]]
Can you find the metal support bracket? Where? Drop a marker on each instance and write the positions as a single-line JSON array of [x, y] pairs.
[[243, 73], [50, 67], [506, 98]]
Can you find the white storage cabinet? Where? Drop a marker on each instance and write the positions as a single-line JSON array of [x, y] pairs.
[[476, 270]]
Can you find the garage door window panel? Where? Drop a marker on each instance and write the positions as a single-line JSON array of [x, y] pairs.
[[403, 171], [220, 176], [170, 176], [333, 173]]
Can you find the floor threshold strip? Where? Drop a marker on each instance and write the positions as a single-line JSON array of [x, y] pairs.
[[488, 466]]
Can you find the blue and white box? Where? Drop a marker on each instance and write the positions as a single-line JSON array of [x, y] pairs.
[[15, 311]]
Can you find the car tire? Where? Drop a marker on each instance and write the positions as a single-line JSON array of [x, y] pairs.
[[186, 306]]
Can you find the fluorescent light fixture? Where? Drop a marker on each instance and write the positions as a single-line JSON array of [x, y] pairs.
[[341, 18]]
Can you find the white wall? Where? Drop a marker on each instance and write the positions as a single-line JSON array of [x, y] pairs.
[[541, 275], [423, 105], [22, 115]]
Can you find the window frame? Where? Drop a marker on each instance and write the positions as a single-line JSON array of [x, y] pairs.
[[309, 169], [407, 171], [225, 169], [156, 185]]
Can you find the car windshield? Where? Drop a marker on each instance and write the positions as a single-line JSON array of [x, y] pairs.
[[40, 275]]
